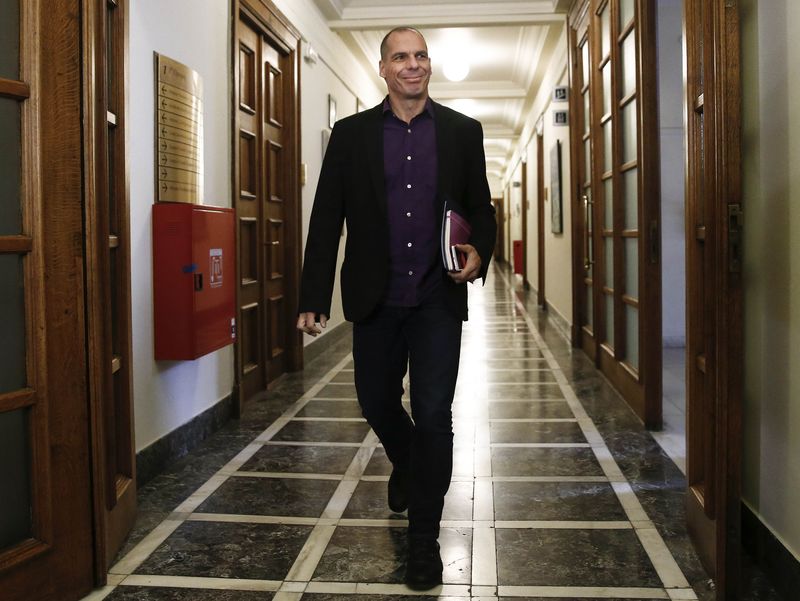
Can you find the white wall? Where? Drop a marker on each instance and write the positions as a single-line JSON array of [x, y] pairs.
[[673, 238], [558, 247], [771, 155], [167, 394]]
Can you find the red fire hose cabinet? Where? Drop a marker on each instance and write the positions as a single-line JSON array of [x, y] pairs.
[[194, 276]]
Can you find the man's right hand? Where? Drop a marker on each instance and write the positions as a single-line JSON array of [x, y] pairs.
[[307, 323]]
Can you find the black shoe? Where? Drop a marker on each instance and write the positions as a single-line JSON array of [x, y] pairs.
[[424, 564], [398, 490]]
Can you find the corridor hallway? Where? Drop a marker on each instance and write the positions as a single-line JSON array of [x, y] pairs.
[[557, 492]]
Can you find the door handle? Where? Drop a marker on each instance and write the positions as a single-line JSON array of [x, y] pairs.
[[587, 259]]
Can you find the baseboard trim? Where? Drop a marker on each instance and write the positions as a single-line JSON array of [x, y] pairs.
[[769, 553], [318, 346], [152, 460], [562, 325]]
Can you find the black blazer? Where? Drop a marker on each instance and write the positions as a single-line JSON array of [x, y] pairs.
[[351, 187]]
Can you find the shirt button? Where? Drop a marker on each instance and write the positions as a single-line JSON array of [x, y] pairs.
[[409, 245], [408, 158], [410, 273], [409, 130], [408, 186], [408, 214]]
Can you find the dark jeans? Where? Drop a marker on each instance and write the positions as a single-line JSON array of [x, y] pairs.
[[427, 340]]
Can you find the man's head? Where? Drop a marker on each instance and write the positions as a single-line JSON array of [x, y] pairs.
[[405, 64]]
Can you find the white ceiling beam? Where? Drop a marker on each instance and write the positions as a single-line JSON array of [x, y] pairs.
[[477, 89], [453, 19]]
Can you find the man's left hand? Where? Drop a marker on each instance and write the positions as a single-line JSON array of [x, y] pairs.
[[472, 268]]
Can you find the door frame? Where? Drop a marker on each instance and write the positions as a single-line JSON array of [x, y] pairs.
[[524, 210], [541, 299], [111, 407], [275, 25], [715, 317]]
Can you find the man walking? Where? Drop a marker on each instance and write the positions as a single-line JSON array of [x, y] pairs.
[[388, 172]]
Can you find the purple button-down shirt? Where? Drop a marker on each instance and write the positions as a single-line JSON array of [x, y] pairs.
[[410, 168]]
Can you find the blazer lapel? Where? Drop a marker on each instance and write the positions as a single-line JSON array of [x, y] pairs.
[[373, 144], [444, 153]]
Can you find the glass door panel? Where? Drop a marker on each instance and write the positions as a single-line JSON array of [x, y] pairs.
[[10, 153], [13, 374], [9, 40], [15, 502]]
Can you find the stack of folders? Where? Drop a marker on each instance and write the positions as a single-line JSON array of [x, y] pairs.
[[455, 230]]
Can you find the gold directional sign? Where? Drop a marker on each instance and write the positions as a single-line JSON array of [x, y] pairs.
[[179, 132]]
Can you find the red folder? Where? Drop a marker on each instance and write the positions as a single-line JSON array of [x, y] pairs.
[[455, 230]]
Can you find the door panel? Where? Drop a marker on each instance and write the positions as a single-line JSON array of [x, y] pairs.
[[714, 290], [614, 108], [267, 204], [46, 546]]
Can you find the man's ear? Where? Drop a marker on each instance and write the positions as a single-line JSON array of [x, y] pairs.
[[380, 68]]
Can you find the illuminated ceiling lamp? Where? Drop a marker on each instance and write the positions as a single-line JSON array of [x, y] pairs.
[[455, 69]]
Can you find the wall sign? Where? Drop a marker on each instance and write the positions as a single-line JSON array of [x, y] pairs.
[[179, 132], [560, 118]]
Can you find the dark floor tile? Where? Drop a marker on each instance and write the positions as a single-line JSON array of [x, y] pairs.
[[556, 501], [338, 391], [228, 550], [331, 409], [572, 558], [364, 554], [270, 496], [379, 464], [524, 391], [522, 461], [143, 593], [301, 459], [369, 501], [530, 410], [322, 432], [373, 554], [550, 432]]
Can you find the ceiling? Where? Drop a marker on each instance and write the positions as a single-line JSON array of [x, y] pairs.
[[507, 43]]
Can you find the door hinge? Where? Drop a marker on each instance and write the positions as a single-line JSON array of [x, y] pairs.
[[653, 234], [735, 219]]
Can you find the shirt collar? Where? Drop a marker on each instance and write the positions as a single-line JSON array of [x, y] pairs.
[[387, 107]]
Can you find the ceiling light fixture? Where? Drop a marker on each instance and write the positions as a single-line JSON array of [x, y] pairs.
[[455, 69]]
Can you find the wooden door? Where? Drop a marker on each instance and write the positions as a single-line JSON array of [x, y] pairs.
[[46, 542], [615, 137], [500, 244], [714, 347], [106, 211], [267, 201], [524, 185], [541, 300]]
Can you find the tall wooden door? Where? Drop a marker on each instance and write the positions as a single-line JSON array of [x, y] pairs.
[[108, 295], [46, 543], [714, 341], [615, 141], [524, 201], [266, 154], [541, 299]]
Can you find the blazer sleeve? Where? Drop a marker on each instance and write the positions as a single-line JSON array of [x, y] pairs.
[[324, 231], [482, 213]]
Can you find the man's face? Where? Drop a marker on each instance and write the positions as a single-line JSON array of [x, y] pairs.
[[406, 66]]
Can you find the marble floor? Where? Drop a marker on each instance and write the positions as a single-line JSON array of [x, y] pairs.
[[558, 492]]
